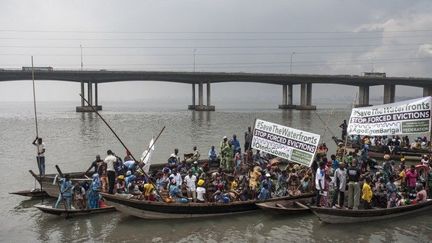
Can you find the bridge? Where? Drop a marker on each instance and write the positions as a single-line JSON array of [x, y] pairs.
[[94, 77]]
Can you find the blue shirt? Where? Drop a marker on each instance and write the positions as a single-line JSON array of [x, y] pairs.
[[335, 164], [212, 154]]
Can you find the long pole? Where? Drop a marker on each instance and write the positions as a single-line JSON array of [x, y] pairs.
[[34, 99], [346, 136], [124, 146], [36, 120]]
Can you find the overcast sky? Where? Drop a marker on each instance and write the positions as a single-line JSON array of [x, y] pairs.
[[321, 37]]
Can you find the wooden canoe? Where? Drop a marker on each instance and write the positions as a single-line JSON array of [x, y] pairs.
[[49, 184], [161, 210], [72, 212], [35, 193], [341, 216], [287, 206]]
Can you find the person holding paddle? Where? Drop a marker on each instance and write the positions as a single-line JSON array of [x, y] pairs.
[[65, 192]]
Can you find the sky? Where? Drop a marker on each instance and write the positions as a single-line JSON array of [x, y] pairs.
[[277, 36]]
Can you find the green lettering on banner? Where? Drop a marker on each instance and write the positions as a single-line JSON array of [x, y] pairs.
[[415, 126], [301, 157]]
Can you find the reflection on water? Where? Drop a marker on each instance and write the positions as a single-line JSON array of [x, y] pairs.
[[73, 139]]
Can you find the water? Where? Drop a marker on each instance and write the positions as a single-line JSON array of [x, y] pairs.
[[73, 140]]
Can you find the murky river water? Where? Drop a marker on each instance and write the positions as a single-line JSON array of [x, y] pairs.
[[74, 139]]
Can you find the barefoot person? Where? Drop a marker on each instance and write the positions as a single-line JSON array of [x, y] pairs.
[[40, 158]]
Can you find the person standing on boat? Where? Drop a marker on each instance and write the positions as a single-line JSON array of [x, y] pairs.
[[65, 192], [40, 158], [340, 177], [190, 181], [225, 153], [411, 179], [353, 185], [235, 145], [95, 165], [344, 127], [212, 155], [93, 192], [110, 160], [320, 182], [248, 139]]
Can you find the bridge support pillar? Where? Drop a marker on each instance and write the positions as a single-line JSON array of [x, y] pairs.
[[287, 97], [200, 106], [82, 93], [363, 99], [84, 107], [427, 91], [192, 107], [389, 93], [306, 97]]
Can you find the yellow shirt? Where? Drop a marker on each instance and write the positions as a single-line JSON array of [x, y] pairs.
[[148, 189], [366, 193], [234, 185]]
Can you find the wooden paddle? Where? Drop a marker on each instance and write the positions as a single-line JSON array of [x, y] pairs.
[[301, 205]]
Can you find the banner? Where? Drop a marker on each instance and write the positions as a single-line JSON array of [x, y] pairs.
[[285, 142], [405, 117]]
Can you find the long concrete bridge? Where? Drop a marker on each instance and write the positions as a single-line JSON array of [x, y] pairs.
[[287, 81]]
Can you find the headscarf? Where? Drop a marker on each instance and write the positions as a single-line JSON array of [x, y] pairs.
[[96, 182]]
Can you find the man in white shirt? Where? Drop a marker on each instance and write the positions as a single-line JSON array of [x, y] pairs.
[[40, 158], [110, 160], [319, 182], [190, 185]]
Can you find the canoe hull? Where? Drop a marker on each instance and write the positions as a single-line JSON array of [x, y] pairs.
[[31, 193], [342, 216], [72, 212], [161, 210], [286, 207]]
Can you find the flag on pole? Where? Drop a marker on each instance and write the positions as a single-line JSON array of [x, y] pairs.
[[146, 156]]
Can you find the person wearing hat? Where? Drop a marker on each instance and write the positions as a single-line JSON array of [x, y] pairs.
[[201, 191], [225, 149], [65, 194], [120, 185], [196, 170]]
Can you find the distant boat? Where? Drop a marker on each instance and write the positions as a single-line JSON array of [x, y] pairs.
[[343, 216], [72, 212], [162, 210]]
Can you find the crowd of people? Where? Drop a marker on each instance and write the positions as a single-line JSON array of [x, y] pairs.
[[368, 183], [344, 180]]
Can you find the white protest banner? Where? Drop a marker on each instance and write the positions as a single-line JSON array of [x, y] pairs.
[[405, 117], [285, 142]]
